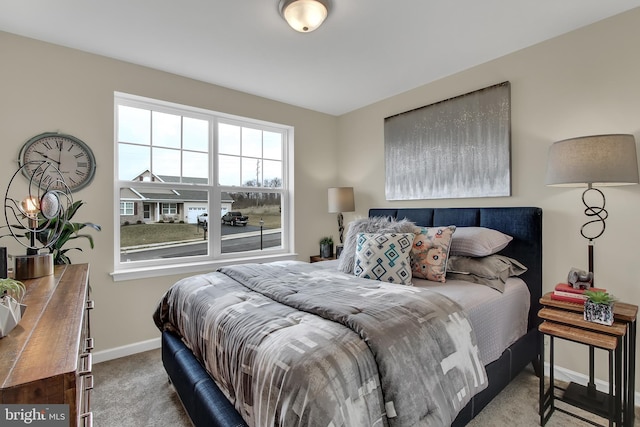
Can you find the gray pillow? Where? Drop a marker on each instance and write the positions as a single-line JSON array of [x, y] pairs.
[[478, 241], [492, 270], [376, 224]]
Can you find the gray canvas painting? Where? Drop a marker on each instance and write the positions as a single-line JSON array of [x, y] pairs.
[[452, 149]]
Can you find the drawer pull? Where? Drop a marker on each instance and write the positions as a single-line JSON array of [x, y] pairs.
[[87, 419], [88, 344], [88, 383], [90, 304], [88, 364]]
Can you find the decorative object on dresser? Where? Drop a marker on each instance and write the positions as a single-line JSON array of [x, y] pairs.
[[47, 359], [37, 220], [598, 160], [326, 247], [11, 310], [70, 231], [341, 200]]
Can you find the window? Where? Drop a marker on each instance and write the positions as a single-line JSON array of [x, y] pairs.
[[196, 187], [169, 209], [126, 208]]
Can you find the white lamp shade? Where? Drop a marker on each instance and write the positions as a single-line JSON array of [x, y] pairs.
[[304, 15], [597, 160], [341, 200]]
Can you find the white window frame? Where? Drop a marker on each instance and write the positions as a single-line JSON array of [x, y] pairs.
[[169, 208], [215, 259], [124, 211]]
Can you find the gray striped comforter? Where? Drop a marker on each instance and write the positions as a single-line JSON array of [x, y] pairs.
[[293, 344]]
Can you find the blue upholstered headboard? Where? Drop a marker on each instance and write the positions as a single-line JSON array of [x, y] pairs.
[[524, 224]]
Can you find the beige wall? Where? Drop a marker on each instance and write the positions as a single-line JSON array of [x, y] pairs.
[[585, 82], [49, 88]]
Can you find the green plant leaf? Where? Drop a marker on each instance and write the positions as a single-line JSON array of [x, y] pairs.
[[13, 288], [68, 231]]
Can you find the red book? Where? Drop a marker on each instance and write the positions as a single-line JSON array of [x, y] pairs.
[[567, 299], [565, 287]]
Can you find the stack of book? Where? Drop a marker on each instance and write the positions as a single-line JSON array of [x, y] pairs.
[[566, 292]]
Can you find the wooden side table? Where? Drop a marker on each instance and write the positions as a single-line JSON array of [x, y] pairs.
[[318, 258], [565, 320]]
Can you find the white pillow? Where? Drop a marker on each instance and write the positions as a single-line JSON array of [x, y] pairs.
[[384, 257], [478, 241]]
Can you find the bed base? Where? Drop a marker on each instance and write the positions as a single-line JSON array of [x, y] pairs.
[[207, 405]]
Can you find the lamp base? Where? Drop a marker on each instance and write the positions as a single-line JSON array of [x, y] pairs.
[[32, 266]]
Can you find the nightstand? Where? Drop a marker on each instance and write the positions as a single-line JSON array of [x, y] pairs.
[[565, 320], [317, 258]]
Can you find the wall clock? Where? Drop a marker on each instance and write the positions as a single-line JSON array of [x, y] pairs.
[[73, 158]]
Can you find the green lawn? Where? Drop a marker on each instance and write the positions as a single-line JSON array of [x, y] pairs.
[[269, 214], [142, 234]]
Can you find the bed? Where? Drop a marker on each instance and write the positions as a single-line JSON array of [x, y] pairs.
[[207, 405]]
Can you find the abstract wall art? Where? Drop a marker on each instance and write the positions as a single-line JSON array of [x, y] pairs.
[[456, 148]]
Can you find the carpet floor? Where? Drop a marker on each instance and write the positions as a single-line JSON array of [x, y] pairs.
[[134, 391]]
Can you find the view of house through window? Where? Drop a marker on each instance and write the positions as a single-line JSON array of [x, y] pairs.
[[197, 184]]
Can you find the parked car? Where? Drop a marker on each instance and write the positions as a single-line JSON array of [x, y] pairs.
[[203, 218], [235, 218]]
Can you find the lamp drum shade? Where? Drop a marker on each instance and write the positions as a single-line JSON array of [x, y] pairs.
[[341, 200], [598, 160]]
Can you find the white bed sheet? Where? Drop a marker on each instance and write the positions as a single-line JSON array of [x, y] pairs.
[[498, 319]]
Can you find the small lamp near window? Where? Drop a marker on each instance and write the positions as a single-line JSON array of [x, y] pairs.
[[341, 200], [589, 161]]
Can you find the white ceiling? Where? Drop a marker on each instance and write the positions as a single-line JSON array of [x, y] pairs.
[[366, 50]]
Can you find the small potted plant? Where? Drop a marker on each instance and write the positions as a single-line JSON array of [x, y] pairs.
[[11, 310], [598, 307], [326, 247]]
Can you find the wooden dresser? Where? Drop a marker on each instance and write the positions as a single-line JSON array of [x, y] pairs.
[[46, 359]]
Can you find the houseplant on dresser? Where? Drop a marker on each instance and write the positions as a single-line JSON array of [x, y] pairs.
[[69, 231], [598, 307]]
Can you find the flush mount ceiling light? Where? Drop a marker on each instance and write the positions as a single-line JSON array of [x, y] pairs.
[[304, 15]]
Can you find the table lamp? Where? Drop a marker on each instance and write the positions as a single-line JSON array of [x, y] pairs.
[[597, 160], [341, 200], [36, 220]]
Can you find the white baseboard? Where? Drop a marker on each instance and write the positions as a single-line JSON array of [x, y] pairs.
[[563, 374], [126, 350]]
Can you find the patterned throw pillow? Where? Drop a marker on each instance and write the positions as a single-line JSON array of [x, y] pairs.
[[430, 253], [384, 257], [376, 224]]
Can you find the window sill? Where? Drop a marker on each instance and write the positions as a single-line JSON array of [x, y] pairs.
[[191, 268]]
